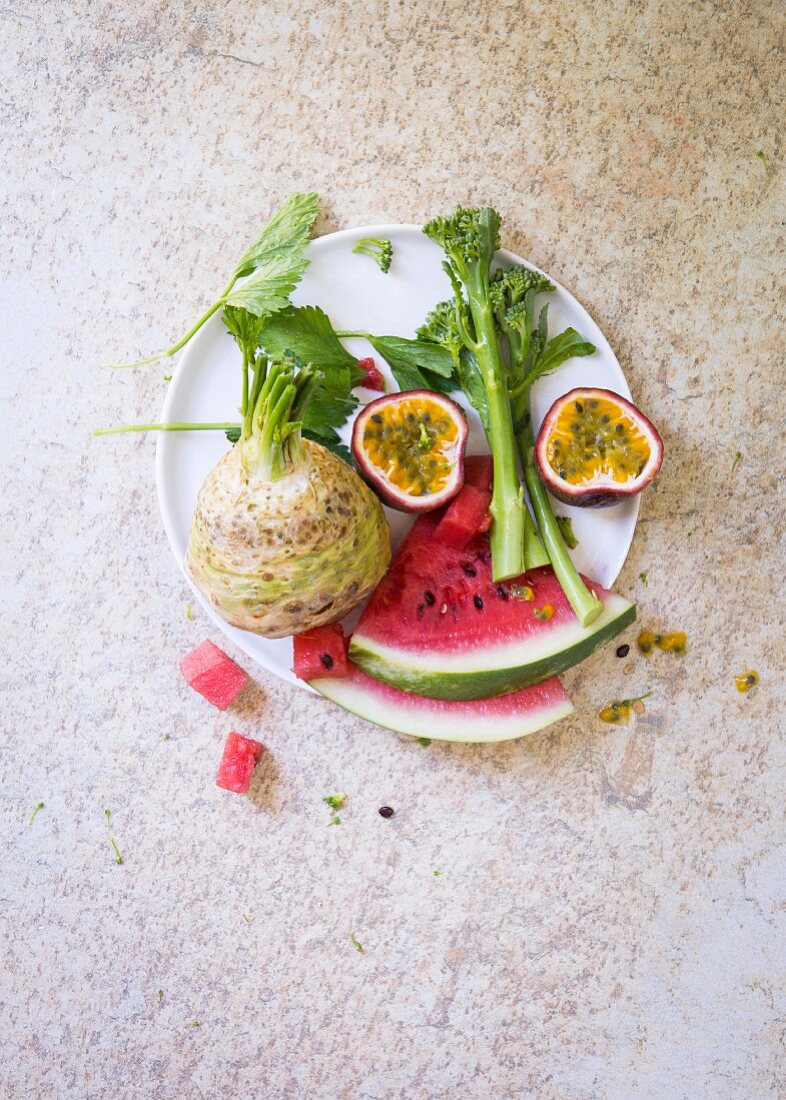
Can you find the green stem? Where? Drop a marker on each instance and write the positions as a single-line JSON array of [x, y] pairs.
[[273, 436], [507, 501], [244, 395], [182, 342], [585, 603], [169, 426]]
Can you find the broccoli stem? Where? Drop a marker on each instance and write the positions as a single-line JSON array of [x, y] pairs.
[[507, 501], [586, 604]]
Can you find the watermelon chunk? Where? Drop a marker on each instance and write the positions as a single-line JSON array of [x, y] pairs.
[[438, 625], [238, 761], [515, 715], [372, 376], [320, 652], [479, 471], [209, 671], [464, 517]]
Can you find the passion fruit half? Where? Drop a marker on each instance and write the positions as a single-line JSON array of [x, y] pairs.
[[595, 448], [410, 448]]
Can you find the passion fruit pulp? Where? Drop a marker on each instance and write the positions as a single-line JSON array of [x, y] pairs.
[[410, 448], [595, 448]]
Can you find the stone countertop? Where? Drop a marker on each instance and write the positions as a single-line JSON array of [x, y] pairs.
[[609, 914]]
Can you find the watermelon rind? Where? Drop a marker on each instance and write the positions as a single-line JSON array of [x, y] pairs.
[[491, 670], [480, 721]]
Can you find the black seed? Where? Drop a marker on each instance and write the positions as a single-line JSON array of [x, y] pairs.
[[623, 650], [386, 811], [470, 572], [376, 418], [327, 661], [421, 609], [430, 598], [502, 593], [579, 407], [478, 603]]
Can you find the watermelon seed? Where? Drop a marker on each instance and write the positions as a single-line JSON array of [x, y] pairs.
[[327, 661], [469, 571], [623, 650], [443, 609], [478, 603], [421, 609], [386, 811], [502, 593], [430, 598]]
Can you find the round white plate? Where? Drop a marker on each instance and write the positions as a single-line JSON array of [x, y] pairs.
[[355, 294]]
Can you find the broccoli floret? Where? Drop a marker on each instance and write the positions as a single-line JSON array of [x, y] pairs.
[[470, 237], [380, 251], [442, 326]]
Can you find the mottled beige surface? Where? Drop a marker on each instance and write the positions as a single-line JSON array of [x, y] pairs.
[[610, 915]]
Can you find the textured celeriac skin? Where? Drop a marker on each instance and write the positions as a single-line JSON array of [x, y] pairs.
[[280, 557]]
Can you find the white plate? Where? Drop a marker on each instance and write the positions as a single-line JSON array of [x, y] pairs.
[[356, 295]]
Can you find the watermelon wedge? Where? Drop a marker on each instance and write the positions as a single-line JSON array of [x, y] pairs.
[[501, 719], [437, 625]]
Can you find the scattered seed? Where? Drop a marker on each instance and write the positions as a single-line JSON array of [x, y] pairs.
[[746, 680], [386, 811], [478, 602], [430, 598], [623, 650], [628, 669], [327, 661]]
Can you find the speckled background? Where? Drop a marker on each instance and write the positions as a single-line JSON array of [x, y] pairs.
[[610, 915]]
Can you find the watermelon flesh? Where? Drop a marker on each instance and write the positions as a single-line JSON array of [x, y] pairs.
[[514, 715], [437, 625], [479, 471], [320, 652], [464, 517], [209, 671], [238, 761]]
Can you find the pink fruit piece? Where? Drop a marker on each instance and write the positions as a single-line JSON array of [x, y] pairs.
[[238, 761], [464, 517], [372, 377], [215, 676], [320, 652], [479, 471]]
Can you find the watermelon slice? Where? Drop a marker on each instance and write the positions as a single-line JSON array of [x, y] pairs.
[[501, 719], [238, 761], [437, 624], [209, 671], [320, 652]]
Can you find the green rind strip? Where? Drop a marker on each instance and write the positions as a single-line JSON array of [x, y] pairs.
[[485, 683], [476, 729]]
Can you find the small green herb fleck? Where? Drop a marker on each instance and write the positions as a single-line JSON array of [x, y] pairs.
[[246, 918], [424, 741], [737, 457], [189, 611], [763, 159], [167, 377], [358, 946], [335, 820], [40, 806], [335, 801], [112, 841], [193, 1023], [437, 874], [165, 736], [643, 577], [160, 995], [565, 525]]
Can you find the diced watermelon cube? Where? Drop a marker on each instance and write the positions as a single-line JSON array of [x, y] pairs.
[[321, 652], [463, 518], [479, 471], [209, 671], [372, 379], [238, 761]]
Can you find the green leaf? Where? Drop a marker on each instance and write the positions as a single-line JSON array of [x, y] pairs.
[[471, 382], [403, 354], [245, 327], [289, 228], [307, 333], [267, 291], [568, 345]]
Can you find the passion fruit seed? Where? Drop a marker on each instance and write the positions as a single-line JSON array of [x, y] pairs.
[[674, 642], [618, 712], [412, 445], [544, 613], [522, 592], [606, 440], [746, 680]]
